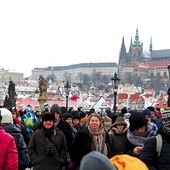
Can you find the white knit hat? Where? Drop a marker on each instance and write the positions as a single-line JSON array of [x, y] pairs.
[[6, 116]]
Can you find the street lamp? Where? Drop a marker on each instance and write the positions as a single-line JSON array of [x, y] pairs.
[[67, 90], [115, 81]]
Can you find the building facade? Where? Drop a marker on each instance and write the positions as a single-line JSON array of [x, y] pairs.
[[61, 73]]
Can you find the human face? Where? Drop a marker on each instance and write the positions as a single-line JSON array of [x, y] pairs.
[[69, 120], [57, 117], [75, 121], [141, 131], [120, 127], [153, 115], [14, 115], [94, 123], [48, 124]]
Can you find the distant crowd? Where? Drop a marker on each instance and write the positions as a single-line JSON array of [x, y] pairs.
[[79, 140]]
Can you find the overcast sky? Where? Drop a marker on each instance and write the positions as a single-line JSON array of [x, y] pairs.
[[41, 33]]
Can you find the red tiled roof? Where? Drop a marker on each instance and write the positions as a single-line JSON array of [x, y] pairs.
[[34, 103]]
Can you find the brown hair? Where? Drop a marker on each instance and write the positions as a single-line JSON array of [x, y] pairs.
[[97, 116]]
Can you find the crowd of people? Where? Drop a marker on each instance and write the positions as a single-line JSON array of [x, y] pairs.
[[79, 140]]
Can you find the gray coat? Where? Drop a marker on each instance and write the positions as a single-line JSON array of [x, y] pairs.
[[39, 147]]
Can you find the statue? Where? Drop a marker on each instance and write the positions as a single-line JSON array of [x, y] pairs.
[[11, 90], [168, 92], [42, 87], [10, 99]]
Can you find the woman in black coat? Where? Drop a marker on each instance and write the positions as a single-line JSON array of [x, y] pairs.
[[91, 138]]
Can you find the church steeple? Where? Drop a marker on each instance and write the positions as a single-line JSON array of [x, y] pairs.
[[122, 54], [150, 46], [136, 42]]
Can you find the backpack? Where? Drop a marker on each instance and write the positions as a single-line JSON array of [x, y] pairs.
[[158, 144], [29, 122]]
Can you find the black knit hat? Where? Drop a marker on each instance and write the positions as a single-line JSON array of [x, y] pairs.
[[76, 117], [55, 108], [137, 120], [67, 115], [48, 116]]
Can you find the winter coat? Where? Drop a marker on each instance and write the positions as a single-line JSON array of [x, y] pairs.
[[40, 149], [150, 157], [119, 141], [23, 156], [8, 151], [83, 144], [64, 127]]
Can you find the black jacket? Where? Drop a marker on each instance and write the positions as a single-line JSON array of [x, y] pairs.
[[83, 144], [150, 157], [23, 155]]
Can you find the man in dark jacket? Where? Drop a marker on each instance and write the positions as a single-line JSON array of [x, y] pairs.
[[149, 154], [47, 147]]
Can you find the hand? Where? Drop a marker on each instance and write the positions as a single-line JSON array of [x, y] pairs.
[[137, 150]]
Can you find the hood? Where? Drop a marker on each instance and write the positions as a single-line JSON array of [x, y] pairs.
[[96, 161]]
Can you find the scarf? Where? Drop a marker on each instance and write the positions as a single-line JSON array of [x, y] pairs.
[[99, 141], [140, 140]]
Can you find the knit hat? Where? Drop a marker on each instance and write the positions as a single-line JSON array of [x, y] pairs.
[[146, 112], [76, 117], [67, 115], [137, 120], [119, 121], [96, 160], [48, 116], [55, 108], [127, 162], [6, 116], [165, 119]]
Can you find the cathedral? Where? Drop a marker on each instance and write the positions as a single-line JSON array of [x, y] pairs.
[[136, 54]]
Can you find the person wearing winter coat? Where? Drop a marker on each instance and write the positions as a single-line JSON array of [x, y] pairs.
[[118, 133], [140, 130], [8, 150], [48, 147], [9, 127], [149, 154], [91, 138], [58, 123]]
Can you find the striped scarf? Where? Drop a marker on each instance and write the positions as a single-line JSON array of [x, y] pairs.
[[99, 141]]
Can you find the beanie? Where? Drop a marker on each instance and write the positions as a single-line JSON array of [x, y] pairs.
[[146, 112], [55, 108], [76, 117], [137, 120], [48, 116], [119, 121], [6, 116], [165, 119], [67, 115], [127, 162], [96, 160]]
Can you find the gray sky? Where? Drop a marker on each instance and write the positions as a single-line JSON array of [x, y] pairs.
[[41, 33]]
